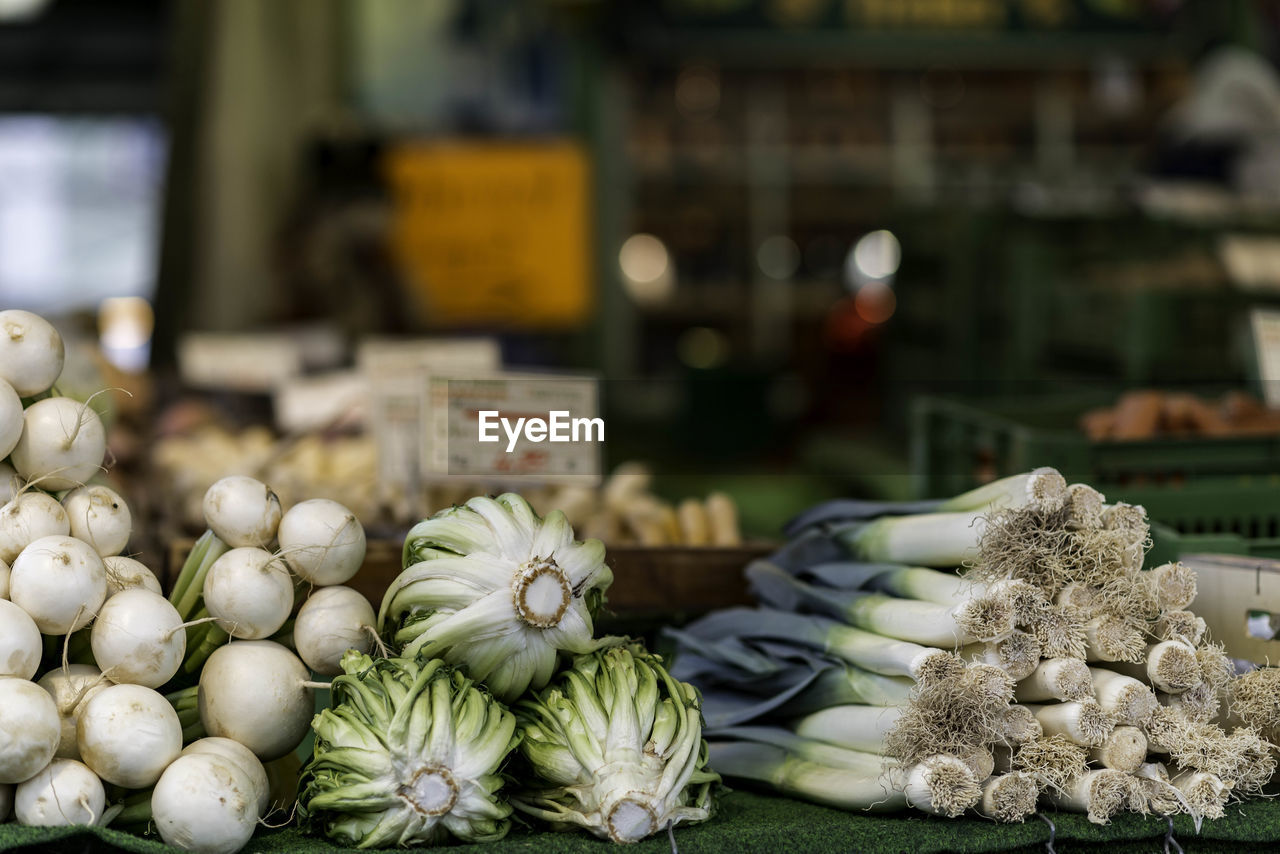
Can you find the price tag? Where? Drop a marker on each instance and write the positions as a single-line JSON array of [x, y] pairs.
[[395, 371], [514, 428], [1252, 261], [310, 403], [1266, 344], [248, 362]]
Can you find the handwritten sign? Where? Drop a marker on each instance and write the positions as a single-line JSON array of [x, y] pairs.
[[493, 234]]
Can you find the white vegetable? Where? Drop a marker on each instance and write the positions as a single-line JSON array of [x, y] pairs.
[[66, 792], [20, 644], [1056, 679], [256, 692], [71, 689], [855, 727], [125, 573], [28, 729], [28, 517], [1128, 700], [62, 444], [242, 511], [60, 581], [323, 541], [10, 482], [1124, 750], [100, 517], [31, 352], [128, 735], [10, 418], [206, 804], [138, 638], [243, 758], [250, 591], [331, 621], [1081, 722], [4, 580]]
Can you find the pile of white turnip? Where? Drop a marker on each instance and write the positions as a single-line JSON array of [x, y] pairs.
[[119, 705]]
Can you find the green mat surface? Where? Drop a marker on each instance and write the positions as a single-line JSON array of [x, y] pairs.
[[749, 822]]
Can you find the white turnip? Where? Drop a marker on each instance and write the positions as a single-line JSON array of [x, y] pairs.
[[331, 621], [31, 352], [10, 482], [242, 511], [250, 592], [28, 729], [66, 792], [20, 644], [10, 418], [257, 693], [323, 541], [71, 687], [206, 804], [125, 573], [138, 638], [243, 758], [60, 581], [128, 735], [100, 517], [26, 518], [62, 444]]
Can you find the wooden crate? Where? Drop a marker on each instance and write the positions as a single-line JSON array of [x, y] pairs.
[[646, 581]]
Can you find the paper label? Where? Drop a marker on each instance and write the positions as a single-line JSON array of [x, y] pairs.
[[539, 428], [1266, 344]]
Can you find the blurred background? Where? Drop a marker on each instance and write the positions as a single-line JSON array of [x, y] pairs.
[[808, 248]]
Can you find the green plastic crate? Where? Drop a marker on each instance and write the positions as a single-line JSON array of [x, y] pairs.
[[1210, 495], [958, 444]]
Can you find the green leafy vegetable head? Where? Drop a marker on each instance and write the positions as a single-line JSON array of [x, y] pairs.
[[491, 587], [409, 754], [615, 745]]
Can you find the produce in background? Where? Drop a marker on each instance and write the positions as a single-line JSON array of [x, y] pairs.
[[615, 745], [98, 739], [1117, 687], [410, 753], [1148, 414], [491, 587], [624, 511]]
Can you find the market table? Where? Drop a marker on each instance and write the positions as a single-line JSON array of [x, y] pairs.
[[749, 822]]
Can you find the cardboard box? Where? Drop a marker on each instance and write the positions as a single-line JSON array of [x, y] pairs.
[[1231, 588]]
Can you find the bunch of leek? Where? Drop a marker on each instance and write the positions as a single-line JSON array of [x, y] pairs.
[[615, 745], [872, 630], [410, 753], [490, 587]]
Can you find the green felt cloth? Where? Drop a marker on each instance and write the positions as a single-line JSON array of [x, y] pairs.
[[748, 822]]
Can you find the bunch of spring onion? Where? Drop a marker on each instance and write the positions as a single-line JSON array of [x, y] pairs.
[[842, 678], [497, 605]]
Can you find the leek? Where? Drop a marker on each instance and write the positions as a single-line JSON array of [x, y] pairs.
[[615, 745], [978, 619], [855, 646], [491, 587], [941, 784]]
